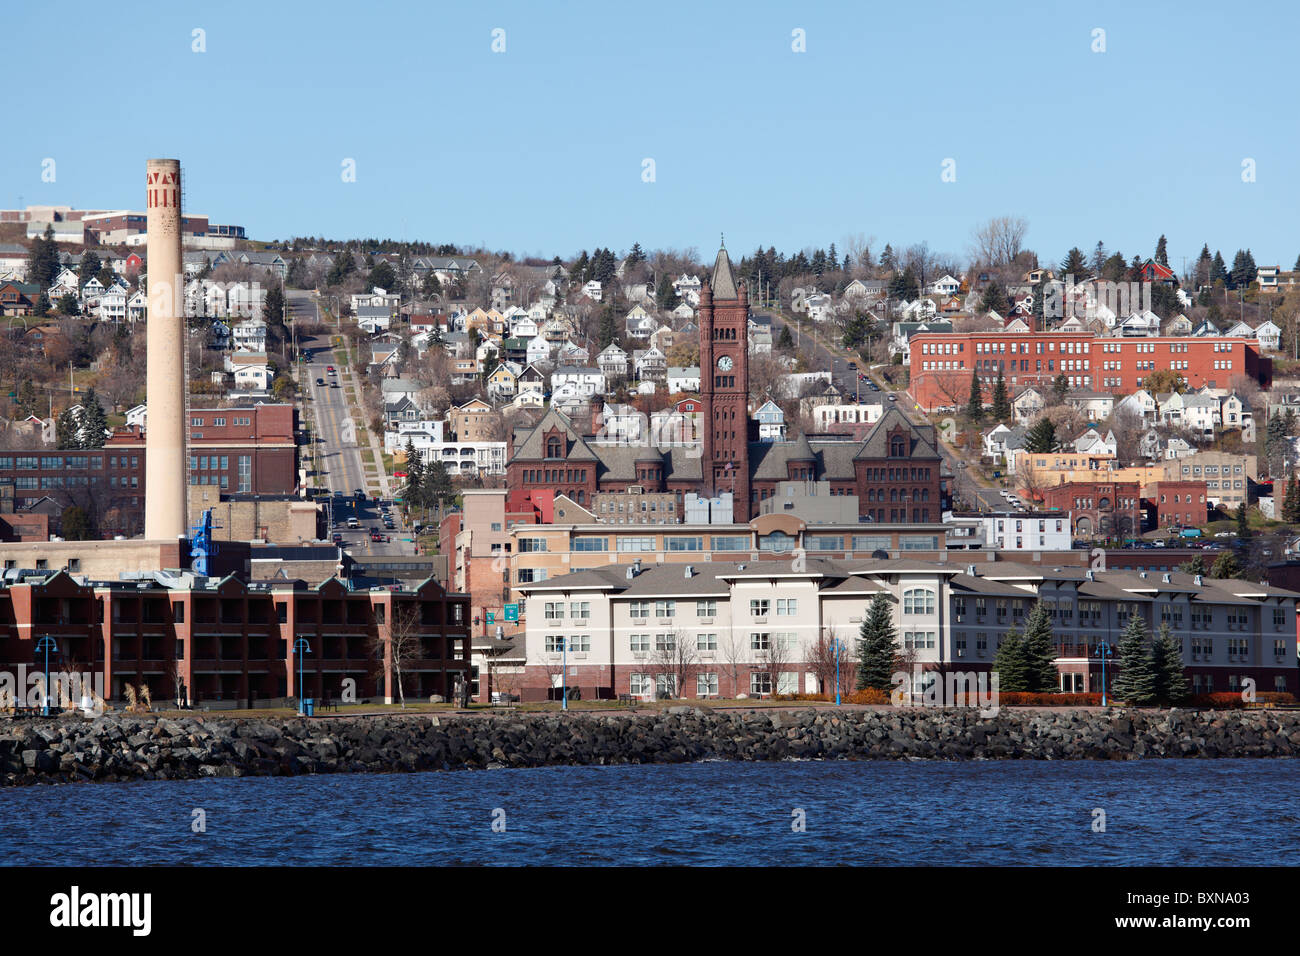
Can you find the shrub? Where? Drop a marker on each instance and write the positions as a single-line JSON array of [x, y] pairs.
[[868, 695], [1231, 700], [1024, 699]]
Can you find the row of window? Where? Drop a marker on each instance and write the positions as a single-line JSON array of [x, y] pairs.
[[706, 684]]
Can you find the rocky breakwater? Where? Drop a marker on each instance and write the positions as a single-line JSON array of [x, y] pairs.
[[124, 747]]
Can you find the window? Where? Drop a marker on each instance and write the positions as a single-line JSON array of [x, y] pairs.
[[580, 610], [639, 685], [759, 607], [665, 642], [706, 608], [580, 642], [554, 610], [554, 643], [732, 542], [706, 642], [760, 684], [1279, 617], [639, 609], [531, 575], [640, 643], [636, 544], [527, 545], [759, 641], [706, 685], [685, 544], [787, 606], [591, 544], [918, 601], [823, 542], [665, 608], [665, 685]]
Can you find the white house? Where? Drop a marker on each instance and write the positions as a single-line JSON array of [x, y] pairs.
[[683, 379], [137, 307], [1016, 531], [244, 299], [944, 286], [1092, 442], [1141, 403], [639, 323], [825, 416], [112, 304], [538, 351], [249, 336], [771, 422], [592, 290], [612, 361], [1269, 336], [577, 380], [253, 377]]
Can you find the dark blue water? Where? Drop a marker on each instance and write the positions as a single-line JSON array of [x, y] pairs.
[[1185, 812]]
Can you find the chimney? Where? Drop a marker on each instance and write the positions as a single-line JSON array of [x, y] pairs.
[[1167, 579], [690, 571], [165, 464], [636, 566], [1197, 580]]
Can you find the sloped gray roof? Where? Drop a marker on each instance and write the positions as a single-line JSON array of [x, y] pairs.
[[724, 282]]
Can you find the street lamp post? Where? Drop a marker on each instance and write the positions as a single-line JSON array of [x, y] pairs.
[[46, 644], [1103, 652], [300, 648]]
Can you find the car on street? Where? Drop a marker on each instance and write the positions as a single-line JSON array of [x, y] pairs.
[[360, 494], [334, 384], [320, 381], [353, 523], [336, 538], [893, 398], [1226, 534], [330, 369]]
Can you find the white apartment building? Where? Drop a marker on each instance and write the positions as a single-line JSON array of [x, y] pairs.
[[749, 629]]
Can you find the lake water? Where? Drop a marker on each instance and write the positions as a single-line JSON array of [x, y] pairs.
[[1158, 812]]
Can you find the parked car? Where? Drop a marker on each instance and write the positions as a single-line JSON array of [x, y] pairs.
[[1226, 534], [320, 381], [336, 538]]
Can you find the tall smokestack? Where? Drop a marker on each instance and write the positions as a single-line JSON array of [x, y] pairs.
[[165, 465]]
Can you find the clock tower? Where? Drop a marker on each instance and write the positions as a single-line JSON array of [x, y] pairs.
[[724, 386]]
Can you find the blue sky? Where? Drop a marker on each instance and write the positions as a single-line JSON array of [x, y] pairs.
[[539, 149]]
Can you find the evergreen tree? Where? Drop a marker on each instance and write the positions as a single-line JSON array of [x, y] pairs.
[[1099, 257], [27, 398], [75, 524], [413, 493], [1074, 264], [1039, 652], [1042, 437], [1226, 566], [665, 295], [975, 404], [382, 276], [43, 259], [785, 341], [90, 266], [1194, 566], [1001, 404], [1011, 663], [608, 327], [1243, 525], [1243, 270], [995, 299], [1136, 684], [1060, 388], [65, 429], [1162, 252], [1291, 504], [93, 421], [877, 645], [1218, 269], [887, 260], [636, 255], [1167, 667], [68, 304]]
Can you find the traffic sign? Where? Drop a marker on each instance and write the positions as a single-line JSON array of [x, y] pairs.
[[490, 617], [512, 613]]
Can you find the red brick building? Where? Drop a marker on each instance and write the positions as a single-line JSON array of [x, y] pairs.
[[1099, 508], [942, 363], [896, 471], [1177, 504], [241, 450], [233, 642]]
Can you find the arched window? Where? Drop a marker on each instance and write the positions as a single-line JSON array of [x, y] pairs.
[[554, 447], [896, 447], [918, 601]]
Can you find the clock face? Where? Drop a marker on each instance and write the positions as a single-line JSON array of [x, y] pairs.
[[725, 363]]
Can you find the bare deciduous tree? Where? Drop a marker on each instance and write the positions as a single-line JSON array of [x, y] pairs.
[[735, 654], [398, 643], [676, 657], [999, 241]]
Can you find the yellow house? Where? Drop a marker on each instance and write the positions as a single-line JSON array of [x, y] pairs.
[[503, 381]]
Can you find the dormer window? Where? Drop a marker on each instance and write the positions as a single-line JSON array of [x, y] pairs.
[[896, 447], [554, 447]]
